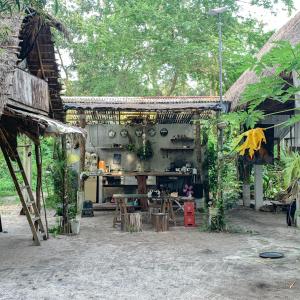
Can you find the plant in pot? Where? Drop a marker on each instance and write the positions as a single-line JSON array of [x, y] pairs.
[[74, 222]]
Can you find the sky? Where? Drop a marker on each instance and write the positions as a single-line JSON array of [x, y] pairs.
[[272, 22]]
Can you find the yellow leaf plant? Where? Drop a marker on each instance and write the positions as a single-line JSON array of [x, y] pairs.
[[254, 139]]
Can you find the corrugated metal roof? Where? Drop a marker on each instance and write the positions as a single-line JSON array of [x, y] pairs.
[[143, 103], [108, 110]]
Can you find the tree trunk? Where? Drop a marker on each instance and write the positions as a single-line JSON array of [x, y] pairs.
[[142, 189], [246, 194], [160, 222], [174, 83], [134, 222]]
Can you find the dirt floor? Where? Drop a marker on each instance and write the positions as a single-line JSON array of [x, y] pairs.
[[184, 263]]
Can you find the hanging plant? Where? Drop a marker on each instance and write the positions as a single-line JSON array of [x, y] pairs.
[[145, 152]]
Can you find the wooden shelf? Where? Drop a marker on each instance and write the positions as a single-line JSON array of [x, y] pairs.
[[123, 185], [182, 140], [178, 149], [113, 148]]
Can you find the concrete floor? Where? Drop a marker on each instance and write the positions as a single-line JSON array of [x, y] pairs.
[[104, 263]]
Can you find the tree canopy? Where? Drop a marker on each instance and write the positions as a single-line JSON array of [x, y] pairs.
[[156, 47]]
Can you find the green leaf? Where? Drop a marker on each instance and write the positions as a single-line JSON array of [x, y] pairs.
[[292, 121], [253, 117]]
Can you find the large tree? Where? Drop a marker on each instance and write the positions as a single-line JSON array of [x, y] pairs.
[[10, 6], [156, 47]]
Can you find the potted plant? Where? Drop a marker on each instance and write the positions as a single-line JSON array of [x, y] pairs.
[[74, 220]]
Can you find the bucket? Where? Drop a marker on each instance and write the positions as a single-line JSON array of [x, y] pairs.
[[75, 226]]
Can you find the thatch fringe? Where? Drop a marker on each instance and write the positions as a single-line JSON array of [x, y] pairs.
[[289, 32]]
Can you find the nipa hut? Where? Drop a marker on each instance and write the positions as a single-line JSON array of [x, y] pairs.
[[289, 32], [30, 101]]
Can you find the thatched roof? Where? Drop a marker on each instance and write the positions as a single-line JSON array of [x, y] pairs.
[[289, 32], [29, 37]]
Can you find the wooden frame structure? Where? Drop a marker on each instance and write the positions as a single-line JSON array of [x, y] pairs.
[[29, 99], [153, 110]]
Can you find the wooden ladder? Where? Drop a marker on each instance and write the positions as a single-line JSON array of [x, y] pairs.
[[35, 221]]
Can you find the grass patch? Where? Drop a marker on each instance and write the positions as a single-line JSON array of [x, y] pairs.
[[229, 229], [9, 200], [7, 193]]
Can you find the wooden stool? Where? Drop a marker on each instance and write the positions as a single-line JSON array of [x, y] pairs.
[[167, 207], [120, 213], [160, 221], [133, 222]]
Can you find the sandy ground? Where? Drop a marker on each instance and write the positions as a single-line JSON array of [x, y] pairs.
[[184, 263]]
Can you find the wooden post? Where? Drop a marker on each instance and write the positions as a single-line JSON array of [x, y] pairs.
[[38, 161], [199, 155], [142, 189], [246, 184], [297, 217], [65, 203], [1, 229], [82, 144], [258, 186], [198, 149], [205, 166]]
